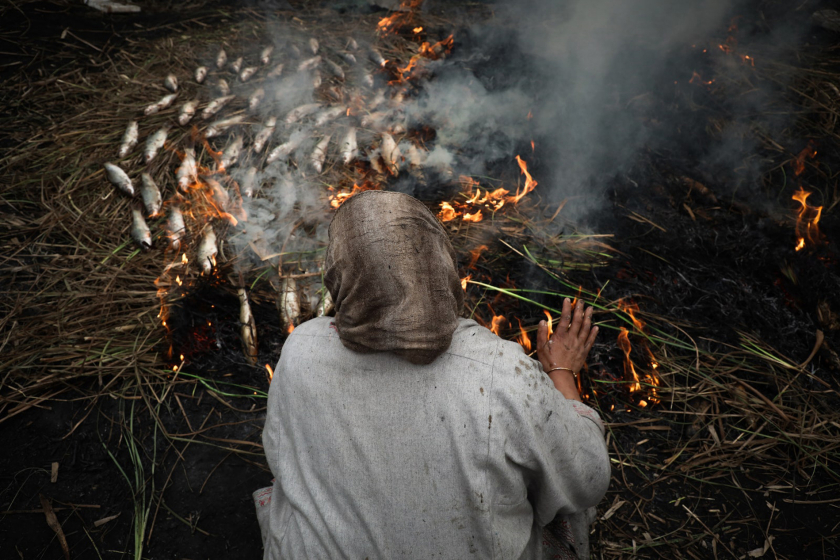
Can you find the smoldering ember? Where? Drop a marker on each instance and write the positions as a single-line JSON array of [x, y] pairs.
[[170, 172]]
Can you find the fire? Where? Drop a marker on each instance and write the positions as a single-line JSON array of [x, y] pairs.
[[475, 254], [447, 212], [270, 372], [530, 184], [808, 152], [697, 79], [290, 329], [550, 322], [477, 217], [417, 30], [523, 339], [497, 323], [651, 379], [807, 230], [465, 281], [339, 198]]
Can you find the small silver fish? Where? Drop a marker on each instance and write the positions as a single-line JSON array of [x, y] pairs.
[[329, 114], [276, 71], [119, 178], [150, 193], [319, 154], [129, 139], [390, 153], [171, 83], [255, 99], [325, 304], [264, 134], [313, 45], [236, 65], [221, 59], [207, 251], [367, 79], [217, 127], [230, 155], [159, 106], [140, 231], [300, 112], [246, 73], [175, 227], [288, 304], [154, 143], [220, 195], [187, 173], [249, 182], [223, 87], [335, 69], [286, 148], [352, 44], [309, 64], [187, 111], [215, 106], [316, 79], [377, 57], [200, 74], [247, 328], [265, 55], [349, 148]]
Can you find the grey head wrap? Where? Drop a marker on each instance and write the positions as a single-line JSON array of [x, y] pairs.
[[391, 271]]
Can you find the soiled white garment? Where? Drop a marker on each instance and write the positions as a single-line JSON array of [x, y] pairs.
[[469, 456]]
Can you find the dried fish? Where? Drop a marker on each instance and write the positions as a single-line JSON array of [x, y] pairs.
[[187, 174], [155, 142], [300, 112], [187, 111], [230, 155], [159, 106], [367, 79], [316, 79], [207, 251], [140, 231], [319, 154], [249, 182], [220, 195], [247, 328], [200, 74], [264, 134], [223, 87], [335, 69], [216, 105], [255, 99], [265, 55], [175, 226], [119, 178], [377, 57], [129, 139], [150, 193], [221, 59], [349, 58], [309, 64], [276, 71], [390, 153], [171, 83], [288, 304], [313, 45], [325, 304], [246, 73], [349, 148], [286, 148], [217, 127], [329, 114], [352, 44], [236, 65]]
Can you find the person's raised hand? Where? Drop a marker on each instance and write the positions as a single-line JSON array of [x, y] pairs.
[[568, 347]]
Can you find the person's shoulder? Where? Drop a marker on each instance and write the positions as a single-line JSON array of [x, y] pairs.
[[503, 355], [319, 326]]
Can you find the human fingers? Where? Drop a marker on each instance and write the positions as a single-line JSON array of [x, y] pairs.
[[577, 319], [565, 317], [586, 327], [542, 335], [593, 334]]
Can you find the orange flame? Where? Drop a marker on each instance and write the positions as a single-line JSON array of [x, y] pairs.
[[629, 369], [477, 217], [475, 254], [530, 184], [497, 323], [807, 230], [465, 281], [550, 322], [340, 198], [290, 329], [270, 373], [524, 340], [447, 212], [652, 379], [808, 152]]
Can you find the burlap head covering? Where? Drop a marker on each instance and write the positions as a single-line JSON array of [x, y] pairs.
[[391, 271]]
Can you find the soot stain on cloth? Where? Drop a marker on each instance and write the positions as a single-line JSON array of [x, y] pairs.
[[489, 421]]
